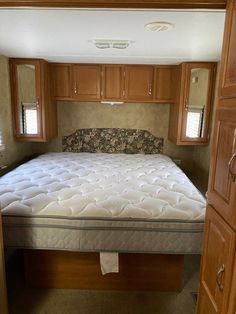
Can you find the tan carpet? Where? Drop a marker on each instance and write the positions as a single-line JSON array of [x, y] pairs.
[[24, 300]]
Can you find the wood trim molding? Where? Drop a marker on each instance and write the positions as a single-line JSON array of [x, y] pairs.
[[3, 289], [151, 4]]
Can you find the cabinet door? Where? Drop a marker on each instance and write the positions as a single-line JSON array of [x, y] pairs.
[[139, 83], [232, 298], [86, 82], [196, 101], [27, 100], [164, 89], [222, 182], [112, 82], [217, 265], [228, 63], [61, 81]]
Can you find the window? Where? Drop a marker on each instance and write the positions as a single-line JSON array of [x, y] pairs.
[[194, 122], [29, 118]]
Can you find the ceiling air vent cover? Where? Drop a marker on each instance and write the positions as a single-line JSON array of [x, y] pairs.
[[159, 26]]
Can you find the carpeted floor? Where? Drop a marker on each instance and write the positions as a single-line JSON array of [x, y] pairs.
[[25, 300]]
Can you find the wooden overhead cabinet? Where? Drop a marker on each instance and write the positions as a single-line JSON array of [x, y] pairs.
[[165, 83], [113, 82], [61, 75], [86, 82], [34, 111], [139, 80]]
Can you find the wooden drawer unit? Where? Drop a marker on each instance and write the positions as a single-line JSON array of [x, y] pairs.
[[217, 265]]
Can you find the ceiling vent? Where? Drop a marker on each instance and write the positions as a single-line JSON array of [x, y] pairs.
[[108, 43], [159, 26]]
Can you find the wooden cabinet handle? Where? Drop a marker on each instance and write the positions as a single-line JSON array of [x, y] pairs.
[[75, 90], [219, 277], [232, 174]]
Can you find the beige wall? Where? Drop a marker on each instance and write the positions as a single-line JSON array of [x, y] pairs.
[[13, 150], [152, 117]]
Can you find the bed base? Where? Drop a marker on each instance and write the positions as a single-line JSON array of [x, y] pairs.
[[76, 270]]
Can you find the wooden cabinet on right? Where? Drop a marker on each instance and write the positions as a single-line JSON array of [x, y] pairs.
[[190, 113], [222, 183], [217, 266], [218, 270], [228, 63]]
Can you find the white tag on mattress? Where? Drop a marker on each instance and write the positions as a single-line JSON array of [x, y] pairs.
[[109, 262]]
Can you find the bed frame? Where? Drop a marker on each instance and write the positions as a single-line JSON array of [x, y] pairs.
[[138, 271]]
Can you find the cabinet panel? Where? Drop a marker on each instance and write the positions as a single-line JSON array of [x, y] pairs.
[[34, 112], [222, 186], [3, 289], [139, 83], [87, 82], [228, 67], [190, 113], [112, 82], [61, 81], [217, 264], [164, 89]]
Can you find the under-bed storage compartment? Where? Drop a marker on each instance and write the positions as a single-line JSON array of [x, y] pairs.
[[60, 269]]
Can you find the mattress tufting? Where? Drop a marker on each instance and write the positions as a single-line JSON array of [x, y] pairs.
[[100, 201]]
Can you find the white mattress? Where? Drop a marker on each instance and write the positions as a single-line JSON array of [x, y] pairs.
[[102, 202]]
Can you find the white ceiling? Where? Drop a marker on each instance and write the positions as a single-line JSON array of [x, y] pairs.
[[66, 35]]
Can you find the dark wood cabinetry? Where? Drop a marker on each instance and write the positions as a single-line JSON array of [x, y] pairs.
[[139, 83], [34, 111], [218, 270], [86, 82]]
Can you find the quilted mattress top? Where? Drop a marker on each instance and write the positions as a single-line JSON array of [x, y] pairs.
[[101, 186]]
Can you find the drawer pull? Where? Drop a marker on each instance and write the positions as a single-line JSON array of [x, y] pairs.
[[233, 175], [219, 277]]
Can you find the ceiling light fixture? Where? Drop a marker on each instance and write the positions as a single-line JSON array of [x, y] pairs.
[[159, 26], [109, 43]]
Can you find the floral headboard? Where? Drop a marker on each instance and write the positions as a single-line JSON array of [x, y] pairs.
[[129, 141]]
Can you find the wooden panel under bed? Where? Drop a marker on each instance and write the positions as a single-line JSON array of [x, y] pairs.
[[76, 270]]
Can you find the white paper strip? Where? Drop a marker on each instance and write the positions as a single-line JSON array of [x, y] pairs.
[[109, 262]]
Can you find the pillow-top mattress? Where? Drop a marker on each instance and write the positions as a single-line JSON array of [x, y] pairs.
[[102, 202]]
